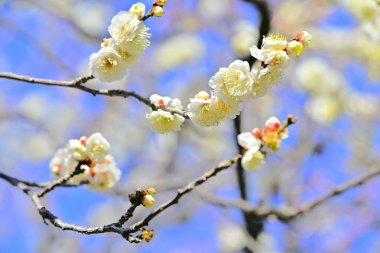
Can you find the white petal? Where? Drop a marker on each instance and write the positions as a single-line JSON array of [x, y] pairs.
[[248, 141]]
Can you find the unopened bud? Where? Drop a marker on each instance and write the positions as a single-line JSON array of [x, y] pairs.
[[138, 9], [161, 3], [257, 133], [158, 11], [151, 191], [202, 95], [148, 201], [294, 48], [305, 38], [83, 139], [291, 119], [132, 197]]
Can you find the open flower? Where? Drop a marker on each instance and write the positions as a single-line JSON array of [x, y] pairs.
[[129, 33], [234, 82], [206, 110], [107, 65], [252, 157], [97, 147], [273, 58], [162, 121], [77, 149], [266, 78], [274, 42], [104, 175], [294, 48], [249, 141], [138, 9], [272, 52]]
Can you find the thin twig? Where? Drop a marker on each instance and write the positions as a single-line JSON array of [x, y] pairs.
[[61, 181], [129, 214], [190, 187]]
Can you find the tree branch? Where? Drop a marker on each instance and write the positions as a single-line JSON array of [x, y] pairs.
[[254, 227], [190, 187], [113, 227], [287, 214], [78, 84], [61, 181]]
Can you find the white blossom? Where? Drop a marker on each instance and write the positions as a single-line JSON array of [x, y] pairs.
[[107, 65], [274, 42], [294, 48], [158, 100], [206, 110], [165, 122], [248, 141], [63, 162], [97, 147], [138, 9], [57, 162], [252, 159], [234, 82], [273, 58], [162, 121], [129, 33], [77, 150], [100, 170], [272, 51], [104, 175], [266, 79]]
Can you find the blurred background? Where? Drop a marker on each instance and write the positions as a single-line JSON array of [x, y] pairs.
[[333, 89]]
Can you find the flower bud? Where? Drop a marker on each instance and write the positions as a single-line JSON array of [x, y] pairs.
[[151, 191], [157, 11], [257, 133], [138, 9], [161, 3], [202, 95], [148, 201], [294, 48], [132, 197], [56, 170], [305, 38]]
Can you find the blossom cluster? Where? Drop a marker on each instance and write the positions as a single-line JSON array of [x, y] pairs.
[[143, 197], [253, 142], [129, 38], [100, 171], [238, 82], [232, 85]]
